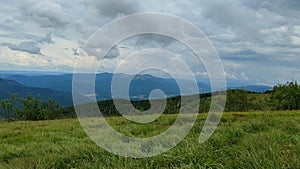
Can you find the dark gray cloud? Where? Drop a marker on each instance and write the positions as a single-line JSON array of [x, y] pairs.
[[245, 56], [31, 47], [282, 7], [253, 59], [113, 53], [18, 34], [45, 13], [113, 8], [231, 14], [153, 40], [26, 46]]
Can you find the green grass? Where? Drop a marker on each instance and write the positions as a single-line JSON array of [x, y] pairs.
[[242, 140]]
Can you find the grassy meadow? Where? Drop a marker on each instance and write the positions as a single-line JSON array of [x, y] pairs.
[[242, 140]]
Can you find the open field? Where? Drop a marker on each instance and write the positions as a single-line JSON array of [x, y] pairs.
[[242, 140]]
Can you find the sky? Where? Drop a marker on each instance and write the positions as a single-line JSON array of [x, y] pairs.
[[258, 41]]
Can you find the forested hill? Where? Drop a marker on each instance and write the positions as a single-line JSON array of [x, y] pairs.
[[9, 87]]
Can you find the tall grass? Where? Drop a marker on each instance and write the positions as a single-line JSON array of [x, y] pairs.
[[242, 140]]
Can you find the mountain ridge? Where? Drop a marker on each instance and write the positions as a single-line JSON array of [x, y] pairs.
[[139, 89], [8, 87]]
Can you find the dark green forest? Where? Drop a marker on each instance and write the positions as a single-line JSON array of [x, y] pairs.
[[281, 97]]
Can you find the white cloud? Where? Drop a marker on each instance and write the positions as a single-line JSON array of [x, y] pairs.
[[21, 58]]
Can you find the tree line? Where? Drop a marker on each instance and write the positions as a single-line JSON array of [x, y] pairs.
[[31, 108], [281, 97]]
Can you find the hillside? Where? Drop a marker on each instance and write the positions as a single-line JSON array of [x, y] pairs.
[[247, 140], [8, 87]]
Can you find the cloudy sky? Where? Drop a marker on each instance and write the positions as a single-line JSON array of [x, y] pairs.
[[258, 41]]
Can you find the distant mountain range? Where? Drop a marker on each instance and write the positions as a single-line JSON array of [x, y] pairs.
[[8, 87], [59, 86], [140, 87], [254, 88]]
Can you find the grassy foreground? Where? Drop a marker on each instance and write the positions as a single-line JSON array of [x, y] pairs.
[[242, 140]]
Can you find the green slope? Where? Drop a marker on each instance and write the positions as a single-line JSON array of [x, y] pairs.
[[242, 140]]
